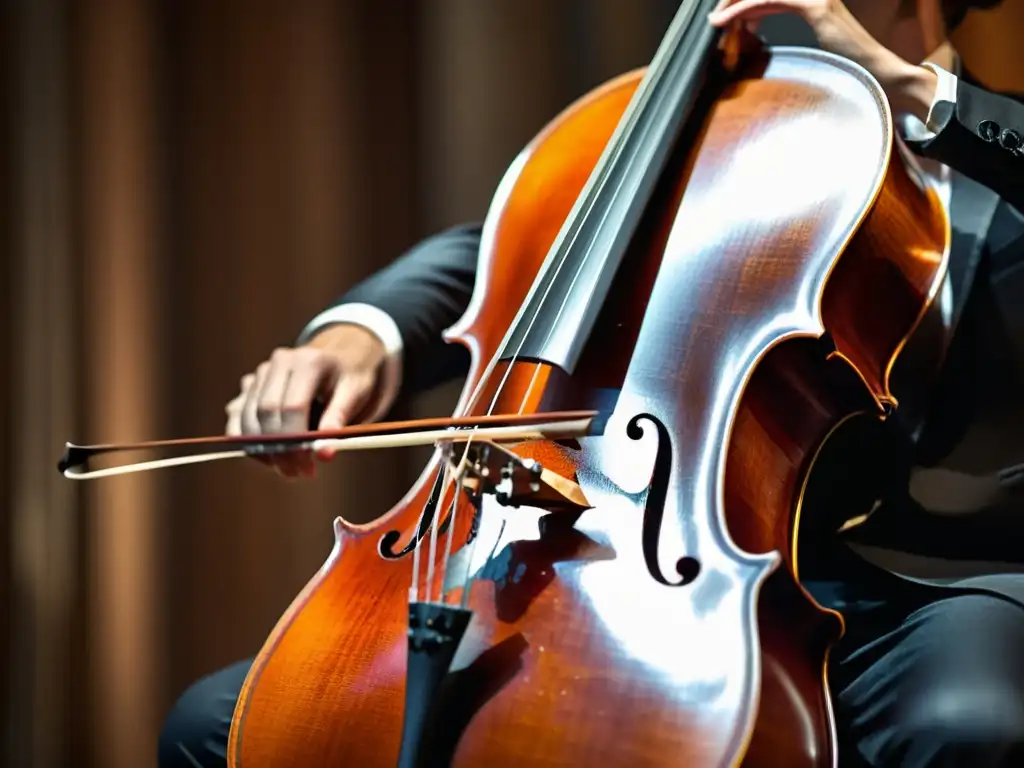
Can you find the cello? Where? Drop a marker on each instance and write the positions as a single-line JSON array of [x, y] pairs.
[[689, 282]]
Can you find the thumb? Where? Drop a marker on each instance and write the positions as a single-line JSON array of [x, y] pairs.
[[349, 398]]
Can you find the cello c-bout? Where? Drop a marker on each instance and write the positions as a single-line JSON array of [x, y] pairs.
[[661, 622]]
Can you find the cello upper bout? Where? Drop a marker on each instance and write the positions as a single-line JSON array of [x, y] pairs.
[[529, 208]]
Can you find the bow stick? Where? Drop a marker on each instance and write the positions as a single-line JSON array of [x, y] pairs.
[[558, 425]]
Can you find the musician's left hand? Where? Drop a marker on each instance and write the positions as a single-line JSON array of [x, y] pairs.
[[910, 88]]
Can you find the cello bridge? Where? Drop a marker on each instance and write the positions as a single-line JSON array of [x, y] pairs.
[[488, 468]]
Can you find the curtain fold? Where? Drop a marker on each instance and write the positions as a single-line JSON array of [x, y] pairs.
[[990, 44], [43, 396]]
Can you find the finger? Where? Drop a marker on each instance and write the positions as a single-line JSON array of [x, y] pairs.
[[248, 416], [249, 419], [272, 389], [233, 410], [293, 381], [317, 374], [291, 464], [236, 410], [234, 425], [303, 386], [350, 396]]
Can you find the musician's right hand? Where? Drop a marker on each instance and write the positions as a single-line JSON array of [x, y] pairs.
[[340, 366]]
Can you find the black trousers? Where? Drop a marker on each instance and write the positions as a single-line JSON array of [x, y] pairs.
[[940, 683]]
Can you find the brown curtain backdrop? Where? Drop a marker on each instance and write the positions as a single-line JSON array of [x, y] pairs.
[[990, 44], [183, 185], [8, 213]]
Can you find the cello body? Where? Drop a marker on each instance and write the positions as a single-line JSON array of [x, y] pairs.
[[664, 624]]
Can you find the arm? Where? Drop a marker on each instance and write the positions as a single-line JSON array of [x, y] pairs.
[[407, 305], [978, 133]]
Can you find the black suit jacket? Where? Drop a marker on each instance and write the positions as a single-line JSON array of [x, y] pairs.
[[425, 291]]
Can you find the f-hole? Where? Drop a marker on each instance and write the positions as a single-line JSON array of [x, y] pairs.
[[687, 568]]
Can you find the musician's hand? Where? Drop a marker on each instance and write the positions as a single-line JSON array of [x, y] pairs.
[[339, 366], [910, 88]]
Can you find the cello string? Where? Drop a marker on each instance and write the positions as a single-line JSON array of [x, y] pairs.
[[414, 589], [629, 121], [432, 554], [439, 484], [473, 400], [453, 471], [563, 303], [452, 519], [513, 359], [634, 115]]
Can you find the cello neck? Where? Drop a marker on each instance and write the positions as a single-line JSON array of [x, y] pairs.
[[559, 313]]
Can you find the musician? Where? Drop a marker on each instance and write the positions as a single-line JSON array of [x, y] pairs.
[[926, 675]]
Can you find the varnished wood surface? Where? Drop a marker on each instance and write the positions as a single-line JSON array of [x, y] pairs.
[[577, 655]]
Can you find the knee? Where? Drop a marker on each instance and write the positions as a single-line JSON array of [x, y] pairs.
[[195, 732], [980, 727], [948, 689]]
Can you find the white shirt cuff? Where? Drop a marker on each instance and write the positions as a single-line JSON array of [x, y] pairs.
[[380, 324], [945, 90]]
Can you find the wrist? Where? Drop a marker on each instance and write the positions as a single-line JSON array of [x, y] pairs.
[[911, 89]]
